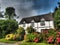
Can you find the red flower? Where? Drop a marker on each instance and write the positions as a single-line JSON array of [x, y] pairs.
[[58, 40], [36, 40], [50, 39], [58, 33]]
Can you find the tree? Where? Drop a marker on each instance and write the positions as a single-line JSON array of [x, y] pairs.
[[7, 27], [10, 12], [57, 18], [1, 14]]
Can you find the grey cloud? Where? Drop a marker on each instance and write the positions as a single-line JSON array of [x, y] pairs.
[[24, 8]]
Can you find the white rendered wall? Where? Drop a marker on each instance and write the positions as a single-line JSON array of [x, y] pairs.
[[38, 27]]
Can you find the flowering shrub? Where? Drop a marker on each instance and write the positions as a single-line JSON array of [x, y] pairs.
[[30, 37], [36, 39], [50, 39], [58, 39], [10, 37]]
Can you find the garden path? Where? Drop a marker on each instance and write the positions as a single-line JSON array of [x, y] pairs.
[[9, 43]]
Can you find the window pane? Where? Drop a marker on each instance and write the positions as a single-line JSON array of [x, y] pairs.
[[24, 25], [32, 24], [42, 23]]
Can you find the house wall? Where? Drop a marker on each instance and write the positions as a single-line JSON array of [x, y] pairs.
[[38, 27]]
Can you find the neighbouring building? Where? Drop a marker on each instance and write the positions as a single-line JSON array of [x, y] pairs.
[[40, 22]]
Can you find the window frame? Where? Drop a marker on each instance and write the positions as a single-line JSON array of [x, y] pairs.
[[42, 23], [24, 24], [32, 23]]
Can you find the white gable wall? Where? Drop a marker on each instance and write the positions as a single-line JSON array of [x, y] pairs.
[[38, 27]]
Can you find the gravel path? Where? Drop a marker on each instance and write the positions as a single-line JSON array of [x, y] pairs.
[[9, 44]]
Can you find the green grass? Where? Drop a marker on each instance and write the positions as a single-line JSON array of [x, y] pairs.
[[32, 43], [6, 41]]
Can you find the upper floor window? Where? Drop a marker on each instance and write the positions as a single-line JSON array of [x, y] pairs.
[[42, 22], [24, 24], [32, 23]]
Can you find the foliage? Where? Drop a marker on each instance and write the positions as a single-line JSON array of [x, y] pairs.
[[33, 37], [1, 15], [52, 32], [10, 37], [10, 12], [7, 27], [30, 37], [57, 19], [21, 31], [50, 39], [30, 29]]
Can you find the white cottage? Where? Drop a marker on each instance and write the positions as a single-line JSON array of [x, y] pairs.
[[39, 22]]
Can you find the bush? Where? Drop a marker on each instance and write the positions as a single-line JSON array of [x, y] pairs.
[[7, 27], [30, 29], [21, 33], [10, 37], [52, 32], [30, 37]]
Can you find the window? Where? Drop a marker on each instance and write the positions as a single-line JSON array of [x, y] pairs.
[[24, 24], [42, 22], [32, 23]]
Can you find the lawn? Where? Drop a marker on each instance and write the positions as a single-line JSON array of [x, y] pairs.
[[32, 43], [6, 41]]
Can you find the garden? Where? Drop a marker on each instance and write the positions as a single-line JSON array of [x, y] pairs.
[[48, 37]]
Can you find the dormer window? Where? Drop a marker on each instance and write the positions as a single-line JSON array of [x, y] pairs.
[[32, 23], [42, 22], [24, 24]]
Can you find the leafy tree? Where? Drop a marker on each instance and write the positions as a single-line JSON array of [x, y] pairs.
[[10, 12], [1, 14], [7, 27], [57, 18]]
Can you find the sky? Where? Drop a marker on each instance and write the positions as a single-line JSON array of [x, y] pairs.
[[27, 8]]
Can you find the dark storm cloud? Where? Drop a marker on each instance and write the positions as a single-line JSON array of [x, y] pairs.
[[25, 8]]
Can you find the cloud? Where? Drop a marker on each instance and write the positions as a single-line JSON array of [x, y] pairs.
[[23, 8], [27, 8]]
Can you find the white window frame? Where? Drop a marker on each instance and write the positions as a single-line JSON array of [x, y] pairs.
[[24, 24], [32, 23], [42, 23]]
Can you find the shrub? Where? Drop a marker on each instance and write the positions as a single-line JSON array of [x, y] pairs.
[[30, 29], [21, 33], [10, 37], [58, 40], [30, 37], [7, 27], [50, 39], [52, 32]]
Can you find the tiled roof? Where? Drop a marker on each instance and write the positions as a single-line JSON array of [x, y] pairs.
[[38, 18]]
